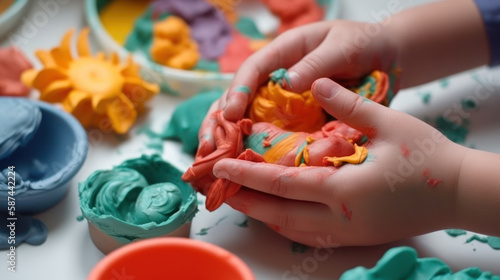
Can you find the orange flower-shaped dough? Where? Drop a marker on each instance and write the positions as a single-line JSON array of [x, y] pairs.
[[287, 110], [172, 44], [98, 91]]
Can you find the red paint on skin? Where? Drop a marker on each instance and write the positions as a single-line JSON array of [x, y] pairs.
[[347, 213], [274, 227], [370, 132], [405, 151], [432, 182]]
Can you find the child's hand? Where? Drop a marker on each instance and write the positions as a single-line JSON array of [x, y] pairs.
[[338, 49], [405, 187]]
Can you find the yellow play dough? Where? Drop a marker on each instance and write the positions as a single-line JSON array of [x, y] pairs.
[[118, 17], [4, 5]]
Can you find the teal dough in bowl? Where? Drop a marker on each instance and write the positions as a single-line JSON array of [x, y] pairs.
[[138, 199]]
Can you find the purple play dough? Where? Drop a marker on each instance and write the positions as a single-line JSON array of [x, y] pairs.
[[209, 28]]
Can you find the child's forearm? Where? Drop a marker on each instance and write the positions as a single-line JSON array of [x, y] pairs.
[[478, 193], [438, 39]]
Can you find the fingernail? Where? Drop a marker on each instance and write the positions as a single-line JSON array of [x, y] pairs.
[[294, 80], [325, 88], [221, 174]]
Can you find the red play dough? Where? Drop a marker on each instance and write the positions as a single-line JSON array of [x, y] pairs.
[[236, 52]]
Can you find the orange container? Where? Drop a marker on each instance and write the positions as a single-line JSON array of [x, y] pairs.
[[171, 258]]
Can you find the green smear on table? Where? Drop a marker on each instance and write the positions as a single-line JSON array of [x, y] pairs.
[[469, 104], [425, 97], [243, 224], [492, 241], [204, 231], [455, 232], [455, 132]]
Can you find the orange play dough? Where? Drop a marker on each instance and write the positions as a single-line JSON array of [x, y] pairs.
[[172, 44]]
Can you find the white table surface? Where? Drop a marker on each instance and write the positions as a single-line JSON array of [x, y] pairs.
[[69, 253]]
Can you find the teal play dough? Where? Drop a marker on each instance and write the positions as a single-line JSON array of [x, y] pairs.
[[455, 232], [140, 198], [187, 118], [402, 263], [248, 28]]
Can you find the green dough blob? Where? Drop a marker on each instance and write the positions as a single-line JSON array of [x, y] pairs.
[[248, 28], [455, 232], [492, 241], [187, 118], [140, 198], [281, 76], [402, 263]]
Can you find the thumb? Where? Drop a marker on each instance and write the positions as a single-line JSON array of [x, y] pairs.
[[350, 108]]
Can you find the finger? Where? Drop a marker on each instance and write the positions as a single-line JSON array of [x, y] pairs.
[[284, 213], [300, 183], [360, 113], [282, 52], [323, 61], [206, 133], [314, 239]]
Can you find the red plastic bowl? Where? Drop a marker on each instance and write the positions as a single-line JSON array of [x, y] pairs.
[[171, 258]]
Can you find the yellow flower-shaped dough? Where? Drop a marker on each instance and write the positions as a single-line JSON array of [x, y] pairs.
[[97, 90]]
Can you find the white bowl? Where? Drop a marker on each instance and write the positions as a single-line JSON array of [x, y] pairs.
[[183, 83]]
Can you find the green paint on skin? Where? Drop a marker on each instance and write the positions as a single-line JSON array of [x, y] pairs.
[[363, 140], [244, 89], [254, 142], [248, 28], [455, 232], [140, 198], [455, 132], [243, 224], [187, 119], [367, 100], [280, 76], [469, 104], [300, 149], [204, 231], [298, 248], [403, 263], [370, 157]]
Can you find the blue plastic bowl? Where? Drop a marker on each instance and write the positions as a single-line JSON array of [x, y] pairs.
[[60, 144]]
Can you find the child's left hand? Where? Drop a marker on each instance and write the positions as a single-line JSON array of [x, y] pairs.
[[405, 187]]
